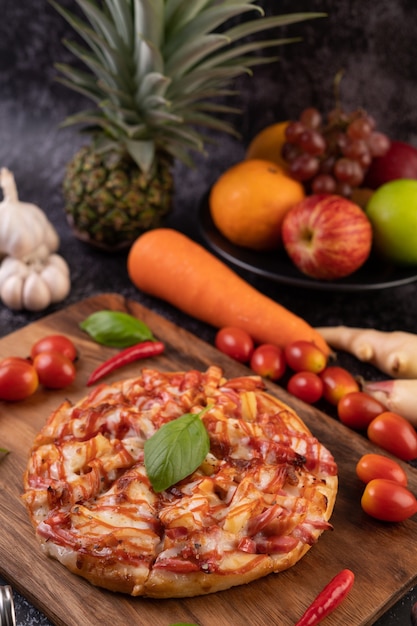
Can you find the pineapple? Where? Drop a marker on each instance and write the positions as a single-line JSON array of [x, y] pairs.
[[158, 72]]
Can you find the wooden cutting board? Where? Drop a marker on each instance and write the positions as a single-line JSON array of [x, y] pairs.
[[381, 555]]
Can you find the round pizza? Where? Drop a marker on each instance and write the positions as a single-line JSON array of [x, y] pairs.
[[175, 484]]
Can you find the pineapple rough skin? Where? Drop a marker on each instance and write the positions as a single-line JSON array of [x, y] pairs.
[[110, 202]]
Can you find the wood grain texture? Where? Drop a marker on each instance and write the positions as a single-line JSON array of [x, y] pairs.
[[381, 555]]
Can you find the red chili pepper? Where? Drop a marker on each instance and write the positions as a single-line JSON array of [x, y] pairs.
[[328, 599], [128, 355]]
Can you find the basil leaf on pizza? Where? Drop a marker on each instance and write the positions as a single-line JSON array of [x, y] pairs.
[[176, 450]]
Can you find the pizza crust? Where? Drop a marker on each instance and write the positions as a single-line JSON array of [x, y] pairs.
[[254, 507], [164, 584]]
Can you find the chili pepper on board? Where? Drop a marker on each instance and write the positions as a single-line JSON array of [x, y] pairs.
[[328, 599], [141, 350]]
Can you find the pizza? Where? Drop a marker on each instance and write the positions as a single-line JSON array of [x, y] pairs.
[[258, 501]]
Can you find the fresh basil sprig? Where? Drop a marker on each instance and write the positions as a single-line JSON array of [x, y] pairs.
[[176, 450], [116, 329]]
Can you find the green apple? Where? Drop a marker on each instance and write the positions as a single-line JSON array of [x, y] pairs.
[[392, 211]]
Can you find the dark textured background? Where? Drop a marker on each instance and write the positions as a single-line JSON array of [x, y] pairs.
[[373, 42]]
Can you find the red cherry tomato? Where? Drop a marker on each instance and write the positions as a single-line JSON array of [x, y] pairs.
[[305, 356], [394, 433], [337, 382], [54, 369], [18, 379], [357, 409], [55, 343], [388, 501], [372, 466], [268, 361], [306, 386], [235, 342]]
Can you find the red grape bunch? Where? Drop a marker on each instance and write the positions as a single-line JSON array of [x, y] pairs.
[[332, 155]]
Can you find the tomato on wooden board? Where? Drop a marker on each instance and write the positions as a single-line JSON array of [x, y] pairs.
[[305, 356], [55, 343], [54, 369], [337, 382], [394, 433], [388, 501], [357, 409], [18, 379], [268, 361], [235, 342], [372, 466], [306, 386]]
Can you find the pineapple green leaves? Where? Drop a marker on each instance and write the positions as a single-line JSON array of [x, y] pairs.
[[157, 70]]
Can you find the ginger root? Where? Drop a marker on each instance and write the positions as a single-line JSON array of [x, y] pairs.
[[394, 353]]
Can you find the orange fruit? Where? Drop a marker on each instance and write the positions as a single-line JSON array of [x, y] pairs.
[[268, 143], [248, 203]]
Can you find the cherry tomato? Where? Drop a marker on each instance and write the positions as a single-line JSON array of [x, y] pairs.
[[394, 433], [372, 466], [337, 382], [268, 361], [18, 379], [55, 343], [357, 409], [305, 356], [388, 501], [235, 342], [55, 370], [307, 386]]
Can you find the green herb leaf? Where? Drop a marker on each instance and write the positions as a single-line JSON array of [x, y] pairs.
[[116, 329], [176, 450], [3, 453]]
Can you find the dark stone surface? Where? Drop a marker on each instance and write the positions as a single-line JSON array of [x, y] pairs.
[[372, 42]]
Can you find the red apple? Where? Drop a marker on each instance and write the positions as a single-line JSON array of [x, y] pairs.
[[327, 236], [399, 162]]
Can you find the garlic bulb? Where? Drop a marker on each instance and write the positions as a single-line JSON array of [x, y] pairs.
[[25, 231], [34, 285]]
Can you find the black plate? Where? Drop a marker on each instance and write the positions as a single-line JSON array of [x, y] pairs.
[[277, 266]]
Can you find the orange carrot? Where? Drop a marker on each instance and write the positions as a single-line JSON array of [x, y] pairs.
[[168, 265]]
